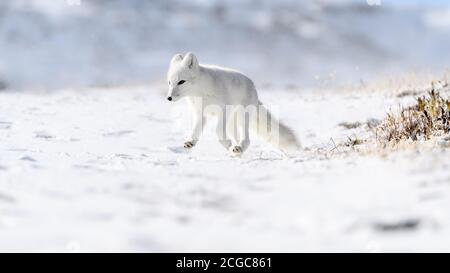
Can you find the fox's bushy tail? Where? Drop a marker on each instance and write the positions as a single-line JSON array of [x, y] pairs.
[[274, 132]]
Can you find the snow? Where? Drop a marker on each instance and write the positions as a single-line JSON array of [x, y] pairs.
[[91, 155], [103, 169]]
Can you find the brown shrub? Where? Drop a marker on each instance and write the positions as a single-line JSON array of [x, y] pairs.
[[430, 116]]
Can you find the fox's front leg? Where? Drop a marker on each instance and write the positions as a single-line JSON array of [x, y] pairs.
[[197, 128], [242, 133]]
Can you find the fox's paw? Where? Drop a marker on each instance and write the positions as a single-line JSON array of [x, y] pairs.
[[189, 144], [237, 150]]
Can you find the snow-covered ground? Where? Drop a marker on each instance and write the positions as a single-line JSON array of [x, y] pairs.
[[91, 155], [103, 169]]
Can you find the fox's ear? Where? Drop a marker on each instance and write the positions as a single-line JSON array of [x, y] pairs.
[[190, 60], [176, 58]]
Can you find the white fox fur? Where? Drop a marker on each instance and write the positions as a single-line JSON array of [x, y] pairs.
[[211, 90]]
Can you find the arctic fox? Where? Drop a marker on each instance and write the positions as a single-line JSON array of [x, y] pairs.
[[212, 90]]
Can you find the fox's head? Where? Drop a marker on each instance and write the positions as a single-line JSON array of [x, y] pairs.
[[181, 76]]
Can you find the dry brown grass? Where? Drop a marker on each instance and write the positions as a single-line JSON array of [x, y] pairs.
[[429, 117]]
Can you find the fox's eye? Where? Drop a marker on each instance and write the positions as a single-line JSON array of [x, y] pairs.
[[181, 82]]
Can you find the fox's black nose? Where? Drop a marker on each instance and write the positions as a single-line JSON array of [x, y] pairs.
[[169, 98]]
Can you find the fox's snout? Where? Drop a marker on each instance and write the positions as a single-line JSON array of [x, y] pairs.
[[174, 94]]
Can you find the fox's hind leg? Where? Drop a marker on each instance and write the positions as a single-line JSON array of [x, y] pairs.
[[222, 131], [241, 132], [231, 128]]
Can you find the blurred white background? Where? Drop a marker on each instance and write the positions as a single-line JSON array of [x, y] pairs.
[[51, 44]]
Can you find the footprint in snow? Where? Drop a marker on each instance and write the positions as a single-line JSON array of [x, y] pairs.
[[5, 125], [7, 198], [43, 135], [118, 133], [28, 158], [402, 225]]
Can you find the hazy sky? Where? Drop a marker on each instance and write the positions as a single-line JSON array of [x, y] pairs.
[[418, 2]]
